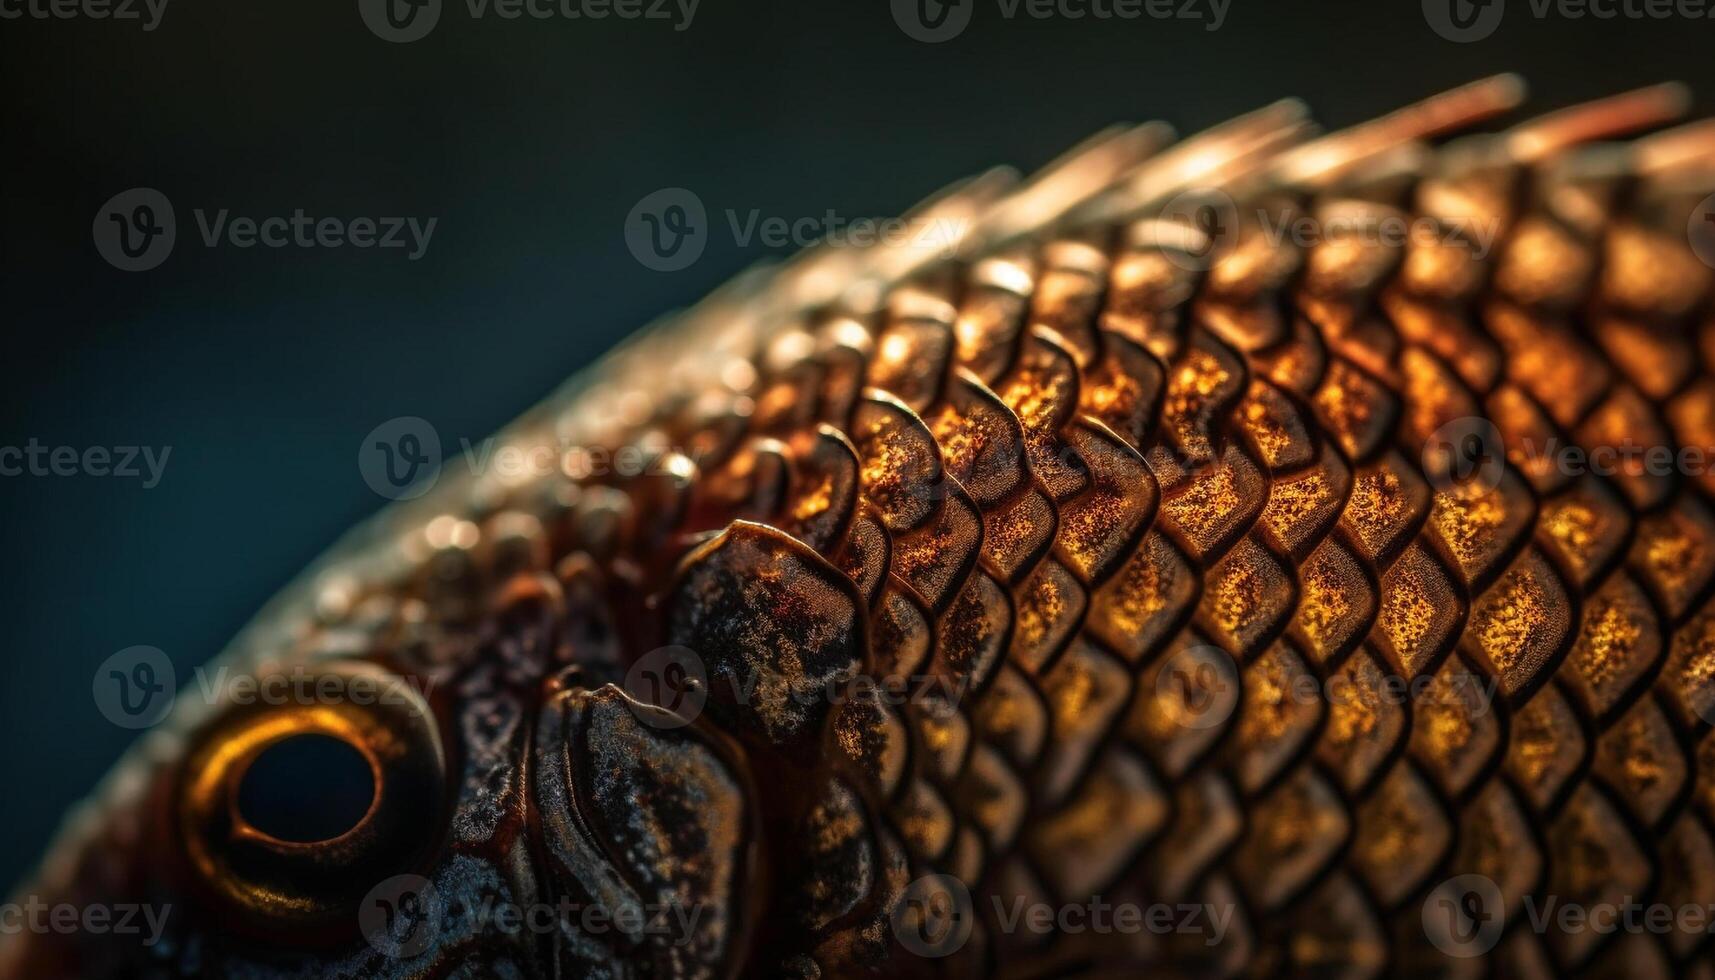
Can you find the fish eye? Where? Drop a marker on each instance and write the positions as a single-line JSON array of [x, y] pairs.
[[290, 807], [270, 795]]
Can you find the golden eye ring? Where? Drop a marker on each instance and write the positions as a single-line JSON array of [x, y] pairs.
[[269, 880]]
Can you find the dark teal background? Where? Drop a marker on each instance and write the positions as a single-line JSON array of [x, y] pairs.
[[529, 141]]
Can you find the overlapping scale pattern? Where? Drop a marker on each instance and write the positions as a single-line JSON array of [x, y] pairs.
[[1152, 528], [1138, 508]]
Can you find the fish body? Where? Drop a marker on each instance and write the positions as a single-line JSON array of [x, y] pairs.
[[1182, 567]]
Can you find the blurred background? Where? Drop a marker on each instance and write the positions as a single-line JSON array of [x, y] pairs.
[[528, 141]]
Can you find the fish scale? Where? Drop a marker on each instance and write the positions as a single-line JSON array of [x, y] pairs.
[[1151, 512]]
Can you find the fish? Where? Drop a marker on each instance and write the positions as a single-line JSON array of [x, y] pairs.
[[1267, 552]]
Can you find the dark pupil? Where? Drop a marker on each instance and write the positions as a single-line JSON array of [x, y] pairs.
[[306, 788]]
